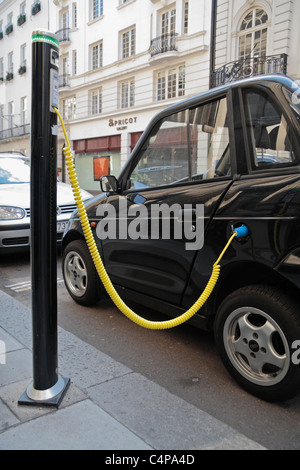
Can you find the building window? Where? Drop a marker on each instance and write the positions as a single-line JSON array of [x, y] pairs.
[[23, 55], [74, 62], [1, 70], [64, 77], [172, 86], [96, 101], [64, 20], [185, 17], [1, 120], [74, 16], [166, 41], [128, 40], [10, 63], [24, 111], [96, 56], [9, 18], [253, 35], [11, 108], [161, 86], [96, 9], [22, 68], [181, 80], [9, 27], [127, 91], [69, 108], [22, 16], [171, 83], [168, 21]]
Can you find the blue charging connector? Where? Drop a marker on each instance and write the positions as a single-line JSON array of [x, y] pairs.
[[241, 231]]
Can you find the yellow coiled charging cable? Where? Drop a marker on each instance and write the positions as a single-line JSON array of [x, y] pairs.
[[154, 325]]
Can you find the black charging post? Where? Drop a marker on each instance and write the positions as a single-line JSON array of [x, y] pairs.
[[47, 388]]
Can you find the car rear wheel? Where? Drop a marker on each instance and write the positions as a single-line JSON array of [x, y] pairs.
[[80, 275], [255, 329]]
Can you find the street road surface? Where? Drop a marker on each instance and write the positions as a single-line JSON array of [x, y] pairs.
[[183, 360]]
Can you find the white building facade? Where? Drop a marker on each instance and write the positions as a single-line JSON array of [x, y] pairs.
[[122, 61], [17, 21], [254, 37]]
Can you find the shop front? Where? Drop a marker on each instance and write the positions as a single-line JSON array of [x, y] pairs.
[[98, 156]]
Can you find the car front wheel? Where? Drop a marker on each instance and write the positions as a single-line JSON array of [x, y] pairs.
[[255, 329], [80, 275]]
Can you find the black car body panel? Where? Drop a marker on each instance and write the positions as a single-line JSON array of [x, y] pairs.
[[266, 199], [201, 169]]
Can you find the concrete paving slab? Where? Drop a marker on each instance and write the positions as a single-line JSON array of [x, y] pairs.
[[10, 343], [85, 364], [11, 393], [7, 418], [164, 420], [18, 365], [16, 319], [82, 426]]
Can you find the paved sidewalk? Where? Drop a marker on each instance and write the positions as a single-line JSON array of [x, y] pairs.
[[107, 406]]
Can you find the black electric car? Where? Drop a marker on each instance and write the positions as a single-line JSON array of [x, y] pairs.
[[203, 167]]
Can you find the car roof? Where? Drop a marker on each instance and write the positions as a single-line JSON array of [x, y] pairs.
[[14, 154], [257, 79]]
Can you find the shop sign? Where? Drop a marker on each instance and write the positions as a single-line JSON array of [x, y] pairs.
[[122, 123]]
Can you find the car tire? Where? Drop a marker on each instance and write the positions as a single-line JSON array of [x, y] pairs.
[[80, 275], [255, 329]]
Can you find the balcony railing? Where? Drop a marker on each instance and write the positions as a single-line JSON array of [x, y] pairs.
[[16, 131], [9, 29], [249, 67], [164, 43], [35, 7], [63, 80], [63, 34], [21, 19]]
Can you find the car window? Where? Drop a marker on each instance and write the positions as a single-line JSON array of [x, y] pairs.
[[294, 99], [268, 132], [186, 146], [14, 170]]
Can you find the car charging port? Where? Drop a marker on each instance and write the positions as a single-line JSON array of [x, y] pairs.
[[242, 232]]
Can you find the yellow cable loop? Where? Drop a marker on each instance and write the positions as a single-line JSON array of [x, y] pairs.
[[154, 325]]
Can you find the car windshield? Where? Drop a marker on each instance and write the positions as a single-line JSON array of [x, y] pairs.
[[14, 170]]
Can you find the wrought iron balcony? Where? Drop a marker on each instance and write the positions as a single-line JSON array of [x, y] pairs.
[[164, 43], [35, 7], [63, 80], [16, 131], [63, 34], [9, 29], [21, 19], [249, 67]]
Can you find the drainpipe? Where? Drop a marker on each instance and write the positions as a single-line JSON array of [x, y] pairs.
[[213, 41]]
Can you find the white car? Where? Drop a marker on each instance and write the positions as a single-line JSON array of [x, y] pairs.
[[15, 203]]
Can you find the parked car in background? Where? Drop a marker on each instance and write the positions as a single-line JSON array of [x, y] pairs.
[[15, 203], [235, 150]]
